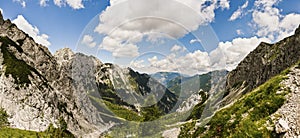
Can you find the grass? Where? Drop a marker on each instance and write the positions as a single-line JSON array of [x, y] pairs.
[[245, 118], [119, 111], [198, 109], [51, 132], [123, 112], [17, 133], [3, 118]]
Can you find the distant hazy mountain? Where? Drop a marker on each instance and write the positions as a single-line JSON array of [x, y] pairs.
[[74, 95], [39, 90], [165, 77], [261, 96]]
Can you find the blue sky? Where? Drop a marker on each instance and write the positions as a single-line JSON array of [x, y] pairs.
[[214, 38]]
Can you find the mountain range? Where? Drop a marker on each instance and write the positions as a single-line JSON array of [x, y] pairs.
[[70, 94]]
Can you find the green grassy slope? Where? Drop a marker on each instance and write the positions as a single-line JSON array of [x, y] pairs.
[[245, 118]]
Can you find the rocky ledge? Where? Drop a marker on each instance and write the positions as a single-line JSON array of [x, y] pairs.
[[287, 118]]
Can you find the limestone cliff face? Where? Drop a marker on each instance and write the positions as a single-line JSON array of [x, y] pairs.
[[266, 61], [1, 19], [38, 89]]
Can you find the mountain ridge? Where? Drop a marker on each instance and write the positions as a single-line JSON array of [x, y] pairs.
[[41, 91], [261, 64], [44, 88], [269, 107]]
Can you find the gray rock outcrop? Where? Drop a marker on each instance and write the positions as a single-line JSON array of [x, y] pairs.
[[265, 62], [287, 117], [37, 89], [1, 18]]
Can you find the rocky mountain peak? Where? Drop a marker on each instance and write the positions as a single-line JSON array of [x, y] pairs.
[[263, 63], [1, 18], [63, 55], [298, 30], [65, 51]]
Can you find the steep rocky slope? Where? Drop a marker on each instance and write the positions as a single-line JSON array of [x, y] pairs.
[[39, 89], [270, 110], [262, 96], [266, 61], [34, 90], [287, 118]]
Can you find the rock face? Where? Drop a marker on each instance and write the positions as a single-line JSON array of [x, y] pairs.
[[1, 18], [133, 88], [266, 61], [288, 123], [38, 89]]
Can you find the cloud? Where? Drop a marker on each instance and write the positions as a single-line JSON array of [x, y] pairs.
[[231, 53], [177, 48], [239, 32], [1, 11], [226, 56], [31, 30], [148, 19], [269, 26], [137, 64], [126, 50], [288, 25], [43, 3], [270, 23], [224, 4], [119, 49], [191, 63], [194, 41], [22, 2], [75, 4], [238, 13], [265, 3], [58, 3], [245, 5], [88, 40]]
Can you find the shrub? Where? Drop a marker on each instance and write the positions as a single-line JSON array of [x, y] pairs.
[[3, 118]]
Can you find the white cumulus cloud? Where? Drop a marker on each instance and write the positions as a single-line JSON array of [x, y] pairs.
[[239, 32], [137, 64], [194, 41], [31, 30], [140, 19], [43, 3], [231, 53], [226, 56], [22, 2], [118, 48], [270, 23], [225, 4], [239, 12], [191, 63], [88, 40], [177, 48], [75, 4]]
